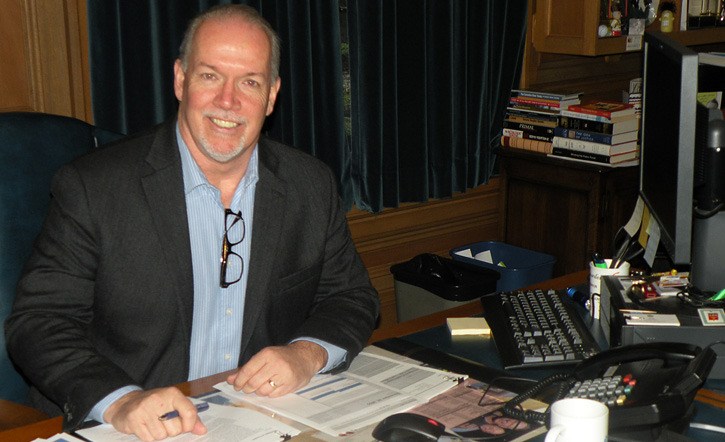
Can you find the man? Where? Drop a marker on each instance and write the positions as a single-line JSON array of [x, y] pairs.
[[193, 249]]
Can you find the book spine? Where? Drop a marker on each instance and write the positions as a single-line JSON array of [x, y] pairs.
[[551, 104], [569, 153], [515, 107], [594, 137], [536, 94], [514, 133], [583, 116], [587, 125], [526, 144], [582, 146], [535, 119], [589, 111], [544, 131]]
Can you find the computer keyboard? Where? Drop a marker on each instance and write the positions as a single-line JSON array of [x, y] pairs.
[[537, 328]]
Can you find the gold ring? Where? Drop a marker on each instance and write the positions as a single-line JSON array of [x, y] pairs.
[[271, 382]]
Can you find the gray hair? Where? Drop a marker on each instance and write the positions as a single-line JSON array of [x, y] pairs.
[[245, 12]]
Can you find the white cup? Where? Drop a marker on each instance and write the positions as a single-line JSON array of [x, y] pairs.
[[578, 420], [596, 273]]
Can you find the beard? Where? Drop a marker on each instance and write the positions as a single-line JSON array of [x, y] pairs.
[[223, 157]]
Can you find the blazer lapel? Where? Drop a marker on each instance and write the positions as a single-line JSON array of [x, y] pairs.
[[164, 187], [269, 203]]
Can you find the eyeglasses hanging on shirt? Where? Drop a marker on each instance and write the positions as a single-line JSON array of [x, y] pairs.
[[232, 264]]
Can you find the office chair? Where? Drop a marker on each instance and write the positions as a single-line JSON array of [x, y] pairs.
[[33, 146]]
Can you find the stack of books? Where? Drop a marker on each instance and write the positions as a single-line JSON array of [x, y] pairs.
[[531, 118], [602, 132]]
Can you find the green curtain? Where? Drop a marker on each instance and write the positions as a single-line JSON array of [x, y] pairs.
[[133, 45], [430, 81]]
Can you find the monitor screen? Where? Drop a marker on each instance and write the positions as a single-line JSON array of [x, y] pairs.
[[669, 102]]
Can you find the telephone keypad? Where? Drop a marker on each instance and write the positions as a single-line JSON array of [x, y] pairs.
[[610, 390]]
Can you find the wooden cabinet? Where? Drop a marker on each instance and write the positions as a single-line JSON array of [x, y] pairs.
[[564, 208], [570, 27]]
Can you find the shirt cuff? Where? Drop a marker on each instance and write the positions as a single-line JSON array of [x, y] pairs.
[[99, 410], [335, 355]]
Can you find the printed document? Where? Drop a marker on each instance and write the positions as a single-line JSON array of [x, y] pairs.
[[224, 423], [373, 388]]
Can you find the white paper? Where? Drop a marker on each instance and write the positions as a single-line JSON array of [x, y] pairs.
[[635, 221], [465, 253], [224, 423], [485, 256], [373, 388], [653, 229]]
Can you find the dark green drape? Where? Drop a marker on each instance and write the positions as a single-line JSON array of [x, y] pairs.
[[133, 45], [430, 82]]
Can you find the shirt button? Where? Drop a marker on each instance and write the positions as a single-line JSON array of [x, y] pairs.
[[227, 356], [229, 311]]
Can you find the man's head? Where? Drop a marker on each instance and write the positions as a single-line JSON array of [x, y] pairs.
[[226, 80]]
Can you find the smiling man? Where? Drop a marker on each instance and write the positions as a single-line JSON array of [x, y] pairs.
[[196, 248]]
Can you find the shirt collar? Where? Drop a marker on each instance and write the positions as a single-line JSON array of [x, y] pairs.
[[194, 177]]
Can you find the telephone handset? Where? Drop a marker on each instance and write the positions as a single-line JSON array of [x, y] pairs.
[[644, 385]]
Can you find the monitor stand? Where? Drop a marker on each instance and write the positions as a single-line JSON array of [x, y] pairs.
[[708, 253]]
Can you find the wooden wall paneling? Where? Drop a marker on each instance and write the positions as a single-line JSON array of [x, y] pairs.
[[48, 46], [397, 235], [16, 75]]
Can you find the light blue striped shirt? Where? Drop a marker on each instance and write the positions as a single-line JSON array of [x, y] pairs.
[[216, 332]]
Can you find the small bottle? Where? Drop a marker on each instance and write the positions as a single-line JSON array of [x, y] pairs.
[[667, 19]]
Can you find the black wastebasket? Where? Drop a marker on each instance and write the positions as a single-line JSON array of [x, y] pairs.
[[430, 283]]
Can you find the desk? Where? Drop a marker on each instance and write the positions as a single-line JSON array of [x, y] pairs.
[[430, 331]]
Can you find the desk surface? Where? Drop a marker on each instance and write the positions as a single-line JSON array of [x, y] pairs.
[[422, 330]]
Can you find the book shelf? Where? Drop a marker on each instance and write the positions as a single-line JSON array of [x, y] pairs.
[[570, 27]]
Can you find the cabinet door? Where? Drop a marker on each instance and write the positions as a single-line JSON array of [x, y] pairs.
[[564, 208]]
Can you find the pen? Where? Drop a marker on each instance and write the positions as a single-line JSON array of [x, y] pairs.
[[598, 261], [172, 414]]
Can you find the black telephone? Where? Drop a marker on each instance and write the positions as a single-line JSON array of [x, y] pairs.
[[659, 381]]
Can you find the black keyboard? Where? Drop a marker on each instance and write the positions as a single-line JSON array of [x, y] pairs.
[[537, 328]]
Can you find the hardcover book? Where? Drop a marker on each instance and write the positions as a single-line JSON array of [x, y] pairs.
[[606, 109], [595, 148], [531, 118], [606, 159], [546, 95], [527, 144], [596, 137], [593, 117], [514, 133], [541, 130], [609, 128]]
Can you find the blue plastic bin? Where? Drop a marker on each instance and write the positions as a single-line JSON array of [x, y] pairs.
[[520, 267]]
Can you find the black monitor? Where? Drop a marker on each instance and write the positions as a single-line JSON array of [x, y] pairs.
[[667, 162], [682, 164]]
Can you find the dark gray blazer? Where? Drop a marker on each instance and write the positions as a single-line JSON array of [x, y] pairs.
[[106, 297]]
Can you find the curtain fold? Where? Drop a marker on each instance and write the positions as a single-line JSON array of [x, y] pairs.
[[430, 82]]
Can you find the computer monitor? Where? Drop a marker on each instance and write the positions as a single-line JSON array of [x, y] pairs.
[[667, 162], [681, 172]]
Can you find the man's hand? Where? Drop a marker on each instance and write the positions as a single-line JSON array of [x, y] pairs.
[[138, 413], [276, 371]]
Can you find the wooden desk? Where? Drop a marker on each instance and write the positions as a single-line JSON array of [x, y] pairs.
[[47, 427], [21, 423], [469, 309]]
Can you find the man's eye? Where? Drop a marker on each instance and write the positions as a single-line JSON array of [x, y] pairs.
[[207, 76]]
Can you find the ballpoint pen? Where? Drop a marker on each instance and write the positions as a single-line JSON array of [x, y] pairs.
[[172, 414]]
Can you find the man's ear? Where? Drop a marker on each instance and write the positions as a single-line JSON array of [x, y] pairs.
[[179, 76], [273, 90]]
